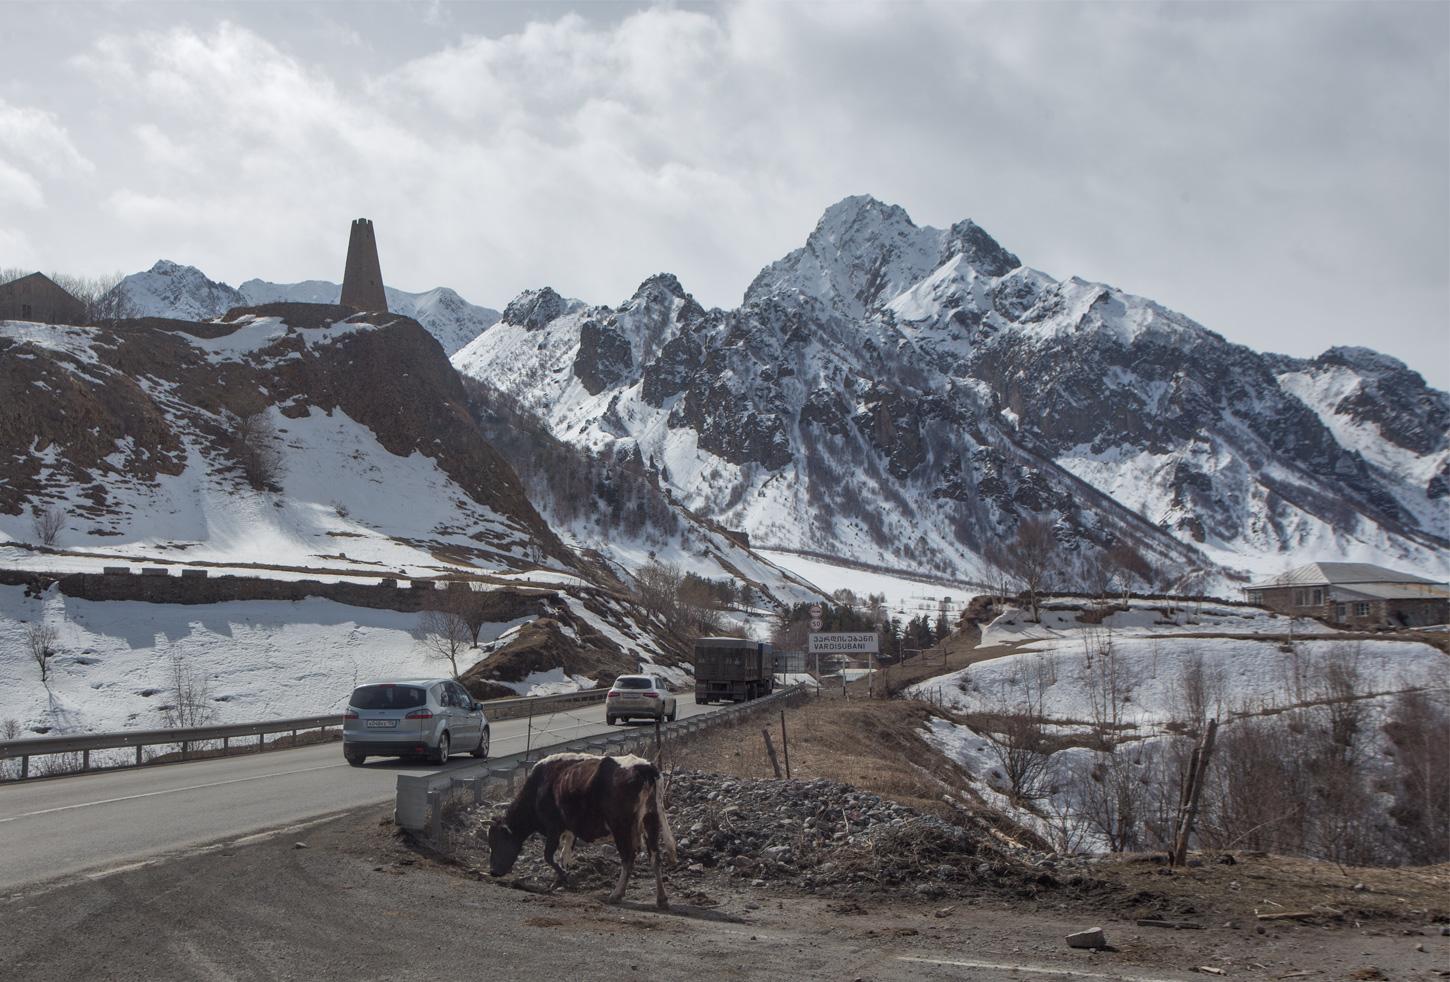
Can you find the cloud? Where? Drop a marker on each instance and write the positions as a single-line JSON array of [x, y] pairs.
[[1242, 163], [33, 145]]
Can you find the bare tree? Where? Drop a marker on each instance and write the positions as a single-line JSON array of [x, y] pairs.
[[1029, 559], [1129, 566], [102, 296], [684, 603], [255, 447], [47, 522], [40, 642], [445, 634], [469, 600], [189, 694]]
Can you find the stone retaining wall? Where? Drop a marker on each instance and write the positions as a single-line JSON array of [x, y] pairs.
[[158, 585]]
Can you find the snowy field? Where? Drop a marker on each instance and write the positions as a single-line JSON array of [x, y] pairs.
[[905, 598], [117, 661], [1138, 670]]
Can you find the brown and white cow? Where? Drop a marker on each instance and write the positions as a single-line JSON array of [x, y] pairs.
[[569, 796]]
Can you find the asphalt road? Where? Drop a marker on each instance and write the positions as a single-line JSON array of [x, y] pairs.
[[93, 824]]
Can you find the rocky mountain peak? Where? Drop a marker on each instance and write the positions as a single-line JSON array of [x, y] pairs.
[[534, 309], [863, 254]]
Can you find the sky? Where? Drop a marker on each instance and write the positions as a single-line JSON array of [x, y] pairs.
[[1278, 172]]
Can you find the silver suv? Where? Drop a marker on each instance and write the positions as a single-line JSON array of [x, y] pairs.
[[412, 717], [639, 696]]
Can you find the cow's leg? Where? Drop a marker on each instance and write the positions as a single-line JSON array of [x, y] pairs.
[[652, 845], [626, 845], [550, 844]]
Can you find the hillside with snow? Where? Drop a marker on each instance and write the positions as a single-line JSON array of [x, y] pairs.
[[136, 441]]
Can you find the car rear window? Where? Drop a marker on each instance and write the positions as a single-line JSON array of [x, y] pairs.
[[633, 682], [387, 697]]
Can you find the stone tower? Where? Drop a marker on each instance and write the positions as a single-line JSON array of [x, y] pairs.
[[362, 280]]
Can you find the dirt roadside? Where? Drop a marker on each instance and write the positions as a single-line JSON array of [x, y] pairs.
[[351, 899]]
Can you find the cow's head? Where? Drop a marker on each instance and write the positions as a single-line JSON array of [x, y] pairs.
[[504, 848]]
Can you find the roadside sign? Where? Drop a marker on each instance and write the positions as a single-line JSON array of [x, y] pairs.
[[816, 611], [843, 644], [815, 623]]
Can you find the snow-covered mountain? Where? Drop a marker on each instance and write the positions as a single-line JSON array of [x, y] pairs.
[[908, 396], [185, 293]]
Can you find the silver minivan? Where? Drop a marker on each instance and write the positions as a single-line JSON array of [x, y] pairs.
[[412, 717]]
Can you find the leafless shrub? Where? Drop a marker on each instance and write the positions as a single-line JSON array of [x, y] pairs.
[[188, 694], [40, 641], [1108, 684], [1065, 821], [1419, 729], [9, 730], [47, 522], [1258, 796], [1020, 746], [1110, 789], [1344, 816], [256, 449]]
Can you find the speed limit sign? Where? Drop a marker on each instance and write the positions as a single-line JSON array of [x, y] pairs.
[[815, 623]]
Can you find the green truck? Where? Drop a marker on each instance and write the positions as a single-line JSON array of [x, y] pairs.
[[732, 669]]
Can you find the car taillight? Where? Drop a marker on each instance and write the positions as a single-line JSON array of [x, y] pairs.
[[420, 714], [650, 695], [349, 715], [611, 695]]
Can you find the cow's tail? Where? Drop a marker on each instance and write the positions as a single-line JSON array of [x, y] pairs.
[[667, 837]]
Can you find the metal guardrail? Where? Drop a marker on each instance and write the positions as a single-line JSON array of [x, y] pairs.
[[420, 798], [85, 743]]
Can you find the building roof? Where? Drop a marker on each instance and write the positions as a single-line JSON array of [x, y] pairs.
[[1342, 574], [1388, 591]]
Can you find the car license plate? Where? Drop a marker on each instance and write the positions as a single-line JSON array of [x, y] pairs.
[[381, 724]]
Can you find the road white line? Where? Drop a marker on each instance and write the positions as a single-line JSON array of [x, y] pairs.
[[1069, 970], [102, 873], [152, 794]]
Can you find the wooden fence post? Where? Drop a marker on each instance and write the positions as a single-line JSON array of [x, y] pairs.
[[1185, 828], [770, 750]]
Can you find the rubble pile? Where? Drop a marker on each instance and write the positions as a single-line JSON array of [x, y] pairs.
[[815, 836]]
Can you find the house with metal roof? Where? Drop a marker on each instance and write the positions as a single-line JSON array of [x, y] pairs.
[[1354, 595]]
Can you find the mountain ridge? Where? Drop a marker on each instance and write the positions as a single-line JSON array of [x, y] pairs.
[[978, 380]]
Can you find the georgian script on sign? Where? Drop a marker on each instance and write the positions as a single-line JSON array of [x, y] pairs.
[[843, 643]]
